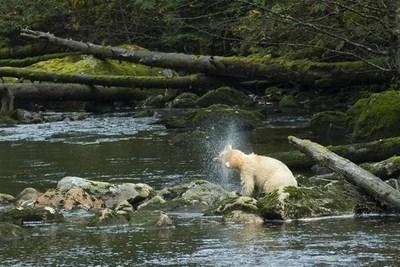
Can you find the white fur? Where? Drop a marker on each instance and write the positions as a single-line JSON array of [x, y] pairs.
[[258, 172]]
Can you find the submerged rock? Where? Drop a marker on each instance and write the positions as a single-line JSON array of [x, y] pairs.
[[10, 231], [108, 217], [164, 220], [239, 216], [335, 198], [224, 95], [376, 116], [21, 216]]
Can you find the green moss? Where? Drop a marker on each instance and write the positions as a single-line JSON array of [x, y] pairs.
[[288, 101], [376, 117], [329, 122], [336, 198], [84, 64], [224, 95], [185, 100]]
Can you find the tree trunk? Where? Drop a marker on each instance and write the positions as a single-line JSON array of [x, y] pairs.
[[23, 62], [304, 73], [354, 174], [386, 169], [28, 50], [359, 153], [184, 82], [78, 92]]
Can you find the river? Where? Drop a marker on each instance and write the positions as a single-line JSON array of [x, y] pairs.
[[120, 148]]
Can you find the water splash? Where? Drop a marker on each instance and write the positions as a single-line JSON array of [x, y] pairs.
[[218, 140]]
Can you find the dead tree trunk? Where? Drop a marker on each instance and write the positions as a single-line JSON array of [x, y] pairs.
[[63, 92], [354, 174], [28, 50], [373, 151], [184, 82], [23, 62], [306, 74]]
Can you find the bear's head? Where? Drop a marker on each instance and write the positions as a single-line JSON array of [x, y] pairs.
[[231, 158]]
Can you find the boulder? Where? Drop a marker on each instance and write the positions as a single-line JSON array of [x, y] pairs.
[[27, 197], [242, 217], [224, 95], [333, 199], [75, 197], [21, 216], [329, 123], [185, 100], [242, 203], [25, 116], [6, 199], [200, 193], [10, 231], [111, 194], [164, 220], [376, 116]]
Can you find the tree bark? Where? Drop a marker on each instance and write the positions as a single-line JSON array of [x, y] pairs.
[[63, 92], [373, 151], [184, 82], [23, 62], [28, 50], [354, 174], [304, 73]]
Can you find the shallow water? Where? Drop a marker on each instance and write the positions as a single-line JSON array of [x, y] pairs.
[[119, 148]]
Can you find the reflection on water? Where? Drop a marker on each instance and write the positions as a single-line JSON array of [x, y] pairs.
[[120, 148]]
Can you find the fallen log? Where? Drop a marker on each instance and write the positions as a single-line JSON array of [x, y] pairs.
[[386, 169], [63, 92], [184, 82], [373, 151], [304, 73], [23, 62], [354, 174], [28, 50]]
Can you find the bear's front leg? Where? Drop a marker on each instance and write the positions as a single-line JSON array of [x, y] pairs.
[[247, 182]]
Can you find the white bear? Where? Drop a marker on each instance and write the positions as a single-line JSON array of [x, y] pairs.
[[257, 172]]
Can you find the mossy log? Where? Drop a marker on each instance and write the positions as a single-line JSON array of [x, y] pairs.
[[304, 73], [184, 82], [27, 50], [354, 174], [23, 62], [66, 91], [373, 151]]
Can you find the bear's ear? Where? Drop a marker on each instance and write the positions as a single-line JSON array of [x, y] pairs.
[[227, 164]]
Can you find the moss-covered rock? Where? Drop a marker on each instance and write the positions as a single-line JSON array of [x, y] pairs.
[[215, 117], [333, 199], [288, 101], [328, 123], [377, 116], [185, 100], [224, 95], [88, 64], [243, 203], [10, 231]]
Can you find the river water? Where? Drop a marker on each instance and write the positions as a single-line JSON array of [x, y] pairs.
[[120, 148]]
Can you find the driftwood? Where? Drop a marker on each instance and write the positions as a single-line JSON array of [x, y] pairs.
[[78, 92], [306, 74], [373, 151], [354, 174], [184, 82]]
